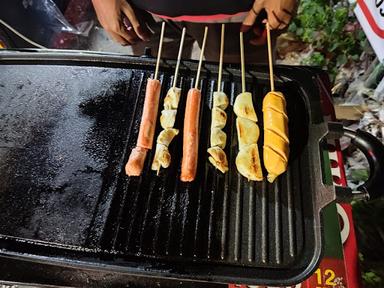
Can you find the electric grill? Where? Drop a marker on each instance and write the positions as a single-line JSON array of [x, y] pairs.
[[67, 124]]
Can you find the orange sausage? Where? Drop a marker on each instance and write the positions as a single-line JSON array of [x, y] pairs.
[[149, 117], [191, 136], [136, 161]]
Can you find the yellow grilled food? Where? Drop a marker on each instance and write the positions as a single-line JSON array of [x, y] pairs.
[[218, 138], [218, 158], [248, 163], [248, 159], [168, 118], [219, 118], [276, 138], [162, 157], [171, 100], [166, 136], [247, 132], [243, 107], [220, 100]]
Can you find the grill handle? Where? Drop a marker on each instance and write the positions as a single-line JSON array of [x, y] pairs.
[[373, 149]]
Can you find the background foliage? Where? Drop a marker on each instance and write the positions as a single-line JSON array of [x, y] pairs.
[[332, 31]]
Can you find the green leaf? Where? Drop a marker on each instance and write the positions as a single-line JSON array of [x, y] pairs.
[[299, 31], [334, 46], [292, 27], [371, 278], [341, 60], [360, 174]]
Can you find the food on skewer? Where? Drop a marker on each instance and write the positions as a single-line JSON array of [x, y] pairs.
[[243, 106], [219, 118], [136, 161], [247, 132], [148, 119], [167, 119], [171, 100], [220, 100], [191, 126], [166, 136], [162, 156], [217, 157], [276, 140], [218, 138], [248, 163], [248, 159], [191, 136], [144, 143]]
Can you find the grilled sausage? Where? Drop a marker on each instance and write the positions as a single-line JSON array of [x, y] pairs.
[[191, 136], [136, 161], [149, 117], [137, 157], [276, 141]]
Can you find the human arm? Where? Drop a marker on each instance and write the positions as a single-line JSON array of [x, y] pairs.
[[121, 21]]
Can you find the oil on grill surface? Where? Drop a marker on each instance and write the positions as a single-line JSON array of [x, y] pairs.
[[217, 218]]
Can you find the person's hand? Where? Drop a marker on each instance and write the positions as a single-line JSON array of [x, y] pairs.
[[279, 13], [119, 19]]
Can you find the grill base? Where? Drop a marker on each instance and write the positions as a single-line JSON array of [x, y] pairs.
[[66, 134]]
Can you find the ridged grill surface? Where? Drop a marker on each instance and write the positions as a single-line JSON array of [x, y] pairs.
[[217, 218], [65, 135]]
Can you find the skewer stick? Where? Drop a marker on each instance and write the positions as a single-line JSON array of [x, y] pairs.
[[158, 170], [242, 62], [270, 57], [221, 58], [201, 57], [159, 51], [179, 57]]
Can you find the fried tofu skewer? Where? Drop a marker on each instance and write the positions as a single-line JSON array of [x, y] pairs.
[[191, 125], [217, 157], [136, 159], [248, 159], [167, 119], [276, 141]]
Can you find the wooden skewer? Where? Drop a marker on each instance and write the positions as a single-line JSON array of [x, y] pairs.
[[271, 79], [179, 57], [201, 57], [242, 63], [221, 58], [159, 51]]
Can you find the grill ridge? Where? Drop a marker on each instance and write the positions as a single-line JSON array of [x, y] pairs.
[[162, 216]]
